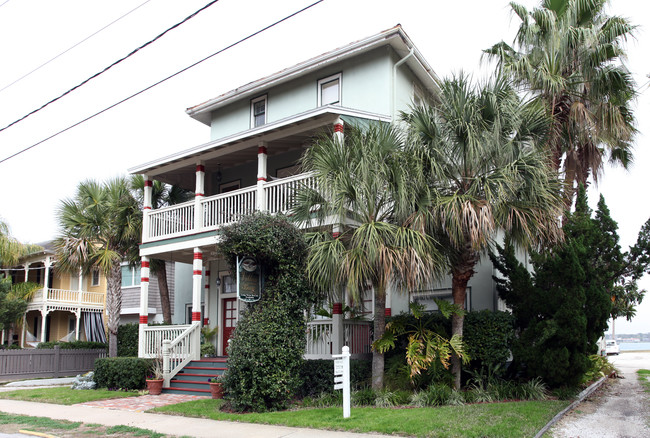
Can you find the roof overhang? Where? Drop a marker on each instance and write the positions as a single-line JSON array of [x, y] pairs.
[[395, 37], [298, 127]]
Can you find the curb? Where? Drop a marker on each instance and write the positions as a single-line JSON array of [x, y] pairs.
[[584, 394]]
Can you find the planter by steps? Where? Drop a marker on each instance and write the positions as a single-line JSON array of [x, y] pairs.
[[154, 386], [216, 390]]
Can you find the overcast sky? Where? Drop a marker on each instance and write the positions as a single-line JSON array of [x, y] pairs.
[[450, 35]]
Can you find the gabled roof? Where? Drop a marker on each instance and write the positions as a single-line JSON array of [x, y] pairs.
[[395, 37]]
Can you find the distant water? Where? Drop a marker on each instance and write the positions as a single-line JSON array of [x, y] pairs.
[[630, 346]]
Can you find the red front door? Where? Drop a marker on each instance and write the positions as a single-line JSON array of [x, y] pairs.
[[229, 320]]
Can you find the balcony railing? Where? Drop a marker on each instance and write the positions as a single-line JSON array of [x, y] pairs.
[[356, 335], [67, 298], [211, 213]]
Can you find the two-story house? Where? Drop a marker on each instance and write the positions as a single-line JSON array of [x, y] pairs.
[[258, 133], [67, 307]]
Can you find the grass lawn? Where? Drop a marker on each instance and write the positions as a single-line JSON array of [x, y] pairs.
[[511, 419], [644, 378], [10, 423], [64, 395]]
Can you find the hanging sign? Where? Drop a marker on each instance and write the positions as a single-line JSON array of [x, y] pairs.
[[249, 280]]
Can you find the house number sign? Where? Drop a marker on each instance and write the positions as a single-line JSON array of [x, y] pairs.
[[249, 280]]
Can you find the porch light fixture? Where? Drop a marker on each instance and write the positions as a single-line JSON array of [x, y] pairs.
[[218, 176], [218, 282]]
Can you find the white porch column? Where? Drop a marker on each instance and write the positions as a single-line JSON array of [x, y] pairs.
[[46, 280], [22, 336], [199, 194], [146, 207], [26, 272], [338, 131], [206, 299], [388, 311], [338, 338], [77, 315], [197, 276], [144, 304], [261, 176], [43, 318]]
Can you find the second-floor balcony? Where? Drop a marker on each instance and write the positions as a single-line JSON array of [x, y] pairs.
[[212, 212], [65, 298]]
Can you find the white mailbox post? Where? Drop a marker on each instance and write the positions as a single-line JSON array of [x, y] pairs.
[[342, 377]]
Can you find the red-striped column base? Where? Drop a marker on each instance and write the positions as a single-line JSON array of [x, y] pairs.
[[144, 319], [196, 316]]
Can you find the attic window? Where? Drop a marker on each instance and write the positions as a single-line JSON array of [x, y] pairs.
[[329, 90], [258, 112]]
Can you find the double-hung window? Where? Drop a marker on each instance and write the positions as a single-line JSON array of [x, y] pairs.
[[329, 90], [258, 112]]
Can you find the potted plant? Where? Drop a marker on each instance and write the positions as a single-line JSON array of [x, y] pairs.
[[215, 386], [155, 379]]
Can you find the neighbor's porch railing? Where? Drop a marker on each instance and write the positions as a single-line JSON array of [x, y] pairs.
[[66, 297], [356, 335], [177, 345], [223, 209]]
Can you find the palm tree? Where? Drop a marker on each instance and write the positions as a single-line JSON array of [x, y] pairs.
[[567, 54], [477, 151], [11, 250], [162, 196], [364, 190], [98, 228]]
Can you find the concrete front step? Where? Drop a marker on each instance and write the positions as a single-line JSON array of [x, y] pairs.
[[193, 379]]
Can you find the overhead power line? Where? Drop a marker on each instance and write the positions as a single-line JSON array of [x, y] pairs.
[[163, 80], [72, 47], [112, 65]]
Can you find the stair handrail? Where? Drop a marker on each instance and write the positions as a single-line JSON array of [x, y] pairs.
[[179, 352]]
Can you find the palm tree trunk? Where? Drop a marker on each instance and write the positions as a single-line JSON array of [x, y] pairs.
[[460, 277], [113, 305], [163, 288], [379, 329]]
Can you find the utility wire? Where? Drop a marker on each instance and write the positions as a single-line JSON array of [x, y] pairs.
[[163, 80], [112, 65], [4, 3], [72, 47]]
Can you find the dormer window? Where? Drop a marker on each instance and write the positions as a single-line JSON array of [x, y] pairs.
[[329, 90], [258, 112]]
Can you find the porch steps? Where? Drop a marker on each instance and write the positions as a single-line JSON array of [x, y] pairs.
[[193, 379]]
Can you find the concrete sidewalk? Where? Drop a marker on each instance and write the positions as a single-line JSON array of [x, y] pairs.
[[167, 424]]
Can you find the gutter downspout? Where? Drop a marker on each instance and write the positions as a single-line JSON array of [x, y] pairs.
[[397, 64]]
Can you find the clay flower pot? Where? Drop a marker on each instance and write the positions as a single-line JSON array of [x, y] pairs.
[[154, 386], [216, 390]]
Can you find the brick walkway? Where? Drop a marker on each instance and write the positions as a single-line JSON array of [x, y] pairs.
[[141, 403]]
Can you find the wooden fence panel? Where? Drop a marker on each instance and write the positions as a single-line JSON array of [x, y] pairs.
[[54, 362]]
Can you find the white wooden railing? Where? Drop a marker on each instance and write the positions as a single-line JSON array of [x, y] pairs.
[[68, 297], [223, 209], [356, 335], [176, 345], [179, 352], [228, 207], [280, 194]]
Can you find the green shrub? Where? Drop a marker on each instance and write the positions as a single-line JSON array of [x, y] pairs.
[[317, 376], [121, 372], [73, 345], [207, 350], [487, 337], [127, 340], [599, 366], [363, 397], [265, 353]]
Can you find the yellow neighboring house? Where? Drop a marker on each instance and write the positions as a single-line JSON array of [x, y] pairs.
[[67, 307]]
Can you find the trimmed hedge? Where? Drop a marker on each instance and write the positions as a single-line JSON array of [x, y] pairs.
[[317, 376], [74, 345], [122, 372], [127, 340]]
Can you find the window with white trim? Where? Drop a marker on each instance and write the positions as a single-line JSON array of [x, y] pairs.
[[258, 111], [130, 276], [329, 90], [94, 278]]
